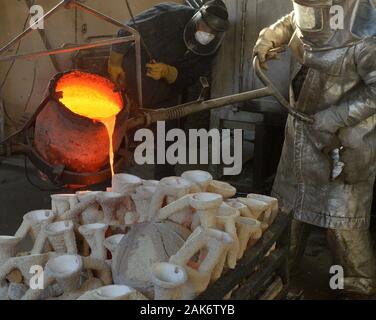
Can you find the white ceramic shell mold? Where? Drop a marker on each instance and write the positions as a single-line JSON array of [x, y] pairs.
[[272, 202], [207, 206], [200, 178], [94, 235], [8, 247], [226, 221], [125, 183], [61, 203], [225, 189], [168, 280], [33, 222], [61, 236]]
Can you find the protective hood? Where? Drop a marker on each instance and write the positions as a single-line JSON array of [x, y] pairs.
[[329, 24], [205, 32]]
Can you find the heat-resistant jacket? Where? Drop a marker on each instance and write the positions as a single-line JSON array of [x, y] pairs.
[[341, 83]]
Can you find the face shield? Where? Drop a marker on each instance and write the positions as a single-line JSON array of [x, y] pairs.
[[313, 20], [315, 28], [309, 18], [205, 32]]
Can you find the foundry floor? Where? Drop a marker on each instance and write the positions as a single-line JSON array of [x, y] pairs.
[[17, 197]]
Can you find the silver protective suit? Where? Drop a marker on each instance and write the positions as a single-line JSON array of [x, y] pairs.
[[327, 170]]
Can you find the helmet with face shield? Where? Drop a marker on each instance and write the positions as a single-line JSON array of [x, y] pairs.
[[205, 32], [328, 24]]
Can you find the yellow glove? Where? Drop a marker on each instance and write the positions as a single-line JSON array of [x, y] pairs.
[[158, 71], [115, 68]]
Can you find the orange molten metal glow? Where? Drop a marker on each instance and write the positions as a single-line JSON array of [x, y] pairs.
[[93, 97]]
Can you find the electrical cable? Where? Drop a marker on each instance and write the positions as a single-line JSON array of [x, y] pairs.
[[137, 28], [34, 184]]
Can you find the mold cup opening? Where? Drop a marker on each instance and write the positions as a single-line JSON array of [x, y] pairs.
[[115, 239], [114, 291], [206, 196], [59, 227], [65, 264], [168, 275], [37, 216], [177, 182], [63, 196], [198, 176], [127, 178], [227, 211], [94, 226]]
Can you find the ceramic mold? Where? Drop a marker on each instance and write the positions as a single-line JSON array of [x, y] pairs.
[[211, 246], [144, 245], [8, 247], [225, 189], [67, 270], [61, 203], [92, 214], [169, 190], [226, 221], [200, 179], [33, 222], [206, 206], [60, 235], [272, 202], [94, 235], [142, 198], [168, 280], [112, 243], [125, 184], [260, 210], [113, 292]]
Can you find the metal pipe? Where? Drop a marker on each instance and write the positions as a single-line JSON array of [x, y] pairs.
[[184, 110], [104, 17], [101, 43], [277, 95]]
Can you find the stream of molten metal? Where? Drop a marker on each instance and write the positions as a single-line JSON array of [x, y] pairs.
[[93, 97]]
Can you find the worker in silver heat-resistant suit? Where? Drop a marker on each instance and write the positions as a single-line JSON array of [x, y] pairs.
[[327, 170]]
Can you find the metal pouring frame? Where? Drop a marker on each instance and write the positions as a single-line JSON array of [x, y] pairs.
[[70, 4]]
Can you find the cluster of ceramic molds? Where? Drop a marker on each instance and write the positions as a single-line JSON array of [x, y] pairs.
[[95, 219], [223, 228], [165, 239]]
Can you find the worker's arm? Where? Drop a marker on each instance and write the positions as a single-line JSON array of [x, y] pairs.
[[159, 70], [184, 75], [115, 68], [274, 36], [359, 104]]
